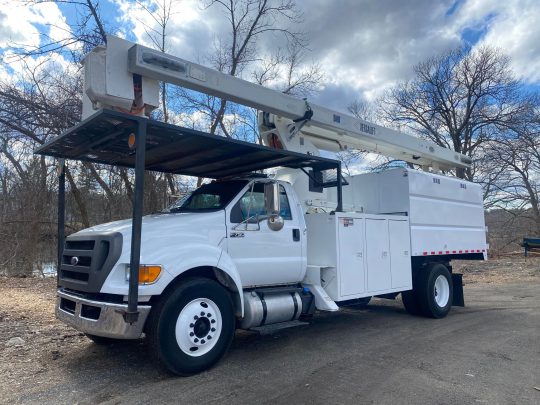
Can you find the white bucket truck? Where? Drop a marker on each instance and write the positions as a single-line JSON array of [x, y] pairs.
[[249, 250]]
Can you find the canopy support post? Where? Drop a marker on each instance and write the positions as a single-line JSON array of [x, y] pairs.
[[132, 313], [339, 207], [61, 214]]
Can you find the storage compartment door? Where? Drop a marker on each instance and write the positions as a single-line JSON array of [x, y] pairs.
[[400, 254], [378, 257], [351, 256]]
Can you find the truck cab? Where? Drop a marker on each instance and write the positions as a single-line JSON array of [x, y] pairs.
[[223, 232]]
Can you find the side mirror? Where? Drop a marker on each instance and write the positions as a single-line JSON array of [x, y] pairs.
[[271, 198], [271, 204]]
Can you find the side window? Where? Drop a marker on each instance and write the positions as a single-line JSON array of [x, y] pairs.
[[285, 208], [252, 204]]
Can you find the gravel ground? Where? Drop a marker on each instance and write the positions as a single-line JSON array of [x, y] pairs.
[[485, 352]]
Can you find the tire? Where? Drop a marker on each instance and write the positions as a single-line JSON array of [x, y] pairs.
[[101, 340], [356, 303], [362, 303], [435, 291], [192, 327], [410, 303]]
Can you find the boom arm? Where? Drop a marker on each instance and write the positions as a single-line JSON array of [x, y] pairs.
[[320, 123]]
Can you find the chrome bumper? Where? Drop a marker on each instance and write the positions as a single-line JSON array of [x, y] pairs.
[[99, 318]]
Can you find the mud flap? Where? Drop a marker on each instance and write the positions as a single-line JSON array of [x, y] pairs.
[[457, 284]]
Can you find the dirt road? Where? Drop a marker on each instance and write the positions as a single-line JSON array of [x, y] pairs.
[[487, 352]]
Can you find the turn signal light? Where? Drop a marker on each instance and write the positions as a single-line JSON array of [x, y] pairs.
[[148, 274], [131, 141]]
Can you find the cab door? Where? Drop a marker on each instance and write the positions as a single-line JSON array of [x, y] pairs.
[[261, 255]]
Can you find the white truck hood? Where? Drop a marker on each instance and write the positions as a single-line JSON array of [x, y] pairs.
[[206, 227]]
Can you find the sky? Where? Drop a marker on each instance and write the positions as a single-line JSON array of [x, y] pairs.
[[363, 47]]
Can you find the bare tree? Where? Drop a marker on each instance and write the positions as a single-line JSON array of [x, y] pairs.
[[44, 100], [301, 79], [249, 20], [362, 109], [288, 71], [516, 156], [458, 100], [157, 32], [39, 100], [160, 13], [88, 32]]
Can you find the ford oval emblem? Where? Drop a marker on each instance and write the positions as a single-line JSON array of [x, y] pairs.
[[74, 261]]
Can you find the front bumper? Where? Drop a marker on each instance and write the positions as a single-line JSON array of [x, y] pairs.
[[99, 318]]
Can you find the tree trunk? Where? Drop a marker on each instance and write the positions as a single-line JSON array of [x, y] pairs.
[[78, 199]]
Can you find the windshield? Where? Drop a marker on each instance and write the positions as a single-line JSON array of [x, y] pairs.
[[208, 197]]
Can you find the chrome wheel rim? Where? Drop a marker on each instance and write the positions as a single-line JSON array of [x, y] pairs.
[[442, 291], [198, 327]]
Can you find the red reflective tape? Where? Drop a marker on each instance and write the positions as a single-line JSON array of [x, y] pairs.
[[461, 251], [425, 253], [466, 251], [447, 252], [440, 253], [483, 250], [453, 251], [477, 250], [432, 253]]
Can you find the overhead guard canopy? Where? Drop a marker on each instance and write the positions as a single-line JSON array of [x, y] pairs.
[[103, 138]]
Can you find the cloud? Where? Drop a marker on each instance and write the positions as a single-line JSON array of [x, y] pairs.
[[189, 32], [515, 29], [16, 27], [22, 24], [362, 46], [335, 96], [366, 47], [19, 67]]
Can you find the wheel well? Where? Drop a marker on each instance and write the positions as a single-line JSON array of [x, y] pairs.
[[421, 263], [212, 273]]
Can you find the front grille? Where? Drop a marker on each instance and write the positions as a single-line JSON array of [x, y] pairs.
[[73, 275], [88, 259], [84, 261], [80, 244]]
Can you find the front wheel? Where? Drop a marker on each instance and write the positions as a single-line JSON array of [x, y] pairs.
[[192, 327]]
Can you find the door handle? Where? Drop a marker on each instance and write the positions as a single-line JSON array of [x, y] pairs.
[[296, 234]]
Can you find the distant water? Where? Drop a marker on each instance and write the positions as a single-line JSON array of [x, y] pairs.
[[48, 269]]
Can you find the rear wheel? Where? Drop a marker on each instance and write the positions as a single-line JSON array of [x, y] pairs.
[[362, 303], [192, 327], [435, 293], [410, 303], [432, 292]]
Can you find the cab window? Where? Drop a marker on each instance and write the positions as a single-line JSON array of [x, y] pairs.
[[209, 197], [251, 205]]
